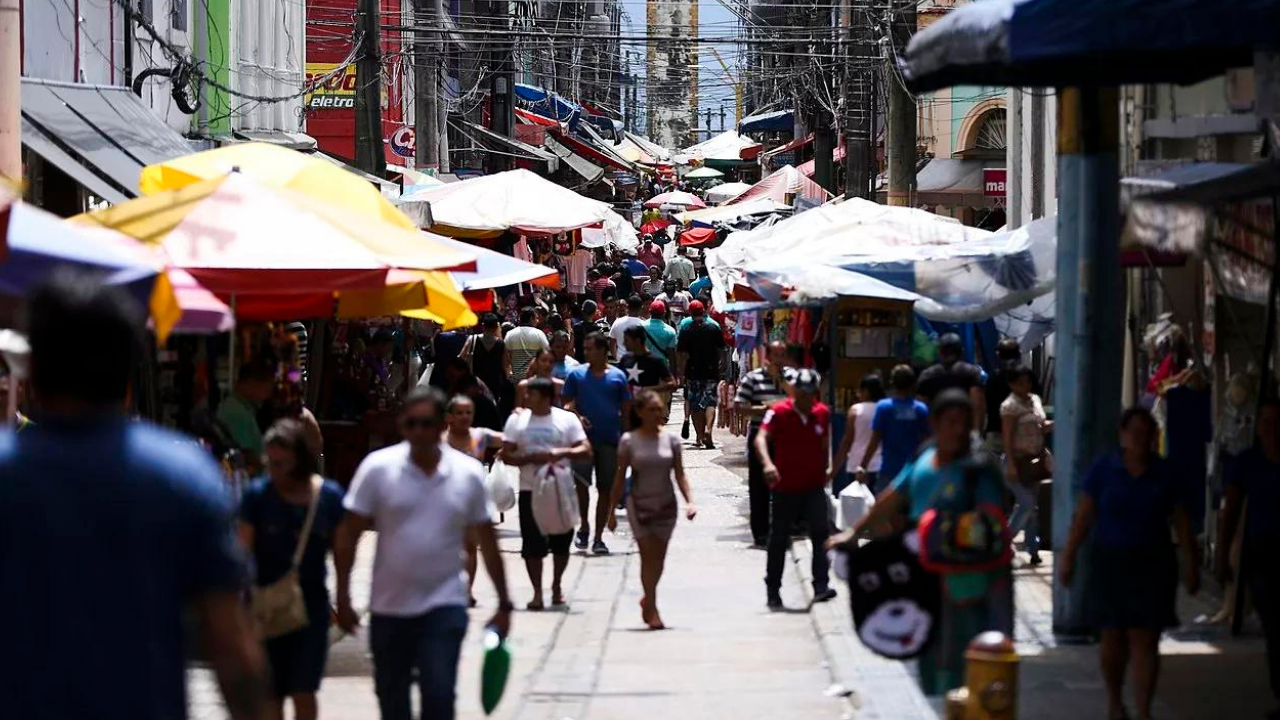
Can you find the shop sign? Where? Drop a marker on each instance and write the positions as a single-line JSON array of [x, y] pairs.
[[993, 182], [337, 92], [402, 142]]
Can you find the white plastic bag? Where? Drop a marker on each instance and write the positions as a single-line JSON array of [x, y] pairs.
[[501, 483], [855, 502], [555, 501]]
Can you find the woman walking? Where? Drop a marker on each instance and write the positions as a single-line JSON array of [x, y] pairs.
[[475, 442], [654, 458], [857, 434], [1023, 428], [947, 478], [274, 512], [487, 354], [542, 366], [1129, 498]]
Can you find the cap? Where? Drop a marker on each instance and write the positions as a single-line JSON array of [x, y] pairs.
[[807, 380], [697, 308], [950, 341], [657, 306]]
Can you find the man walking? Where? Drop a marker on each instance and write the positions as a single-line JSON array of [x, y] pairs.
[[952, 372], [564, 362], [900, 424], [541, 436], [644, 370], [758, 392], [700, 347], [109, 531], [620, 326], [794, 443], [523, 345], [650, 254], [423, 497], [659, 336], [599, 394], [680, 269]]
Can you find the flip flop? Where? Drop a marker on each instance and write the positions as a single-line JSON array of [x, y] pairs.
[[557, 598], [535, 606]]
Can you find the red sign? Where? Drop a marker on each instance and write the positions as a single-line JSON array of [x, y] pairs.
[[993, 182]]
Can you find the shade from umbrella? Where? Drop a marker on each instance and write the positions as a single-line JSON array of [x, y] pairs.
[[516, 200], [703, 173], [277, 166], [675, 197]]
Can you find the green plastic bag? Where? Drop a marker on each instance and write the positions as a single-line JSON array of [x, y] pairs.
[[494, 671]]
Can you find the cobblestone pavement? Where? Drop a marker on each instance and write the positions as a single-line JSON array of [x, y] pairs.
[[726, 656]]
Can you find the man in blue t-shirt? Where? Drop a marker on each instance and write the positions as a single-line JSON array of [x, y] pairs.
[[601, 397], [900, 424], [110, 531]]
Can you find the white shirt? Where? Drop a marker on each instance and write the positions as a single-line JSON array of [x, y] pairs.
[[524, 343], [420, 520], [677, 302], [541, 433], [862, 414], [619, 329], [681, 268]]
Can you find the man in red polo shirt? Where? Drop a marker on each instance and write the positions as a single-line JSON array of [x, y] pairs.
[[794, 444]]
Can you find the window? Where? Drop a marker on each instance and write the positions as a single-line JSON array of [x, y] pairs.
[[177, 14]]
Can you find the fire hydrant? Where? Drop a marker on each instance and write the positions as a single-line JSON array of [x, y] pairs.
[[991, 681]]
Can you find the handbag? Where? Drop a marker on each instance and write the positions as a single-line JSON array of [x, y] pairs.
[[974, 540], [279, 607]]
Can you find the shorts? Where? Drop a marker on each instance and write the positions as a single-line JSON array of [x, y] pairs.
[[533, 544], [702, 394], [603, 463], [297, 659]]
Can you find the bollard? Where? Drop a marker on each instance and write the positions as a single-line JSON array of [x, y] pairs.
[[991, 681]]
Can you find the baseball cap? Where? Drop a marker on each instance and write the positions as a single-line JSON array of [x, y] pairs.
[[657, 306], [807, 380], [697, 308]]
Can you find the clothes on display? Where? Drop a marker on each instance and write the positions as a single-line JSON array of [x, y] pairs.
[[576, 266]]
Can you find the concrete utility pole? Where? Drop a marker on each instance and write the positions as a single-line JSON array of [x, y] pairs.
[[10, 91], [708, 123], [426, 154], [901, 130], [722, 118], [858, 104], [369, 154], [1090, 321], [437, 90], [501, 108]]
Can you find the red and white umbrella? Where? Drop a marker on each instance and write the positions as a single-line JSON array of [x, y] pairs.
[[675, 197]]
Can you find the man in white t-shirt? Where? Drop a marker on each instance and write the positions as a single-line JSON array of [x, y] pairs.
[[523, 345], [680, 268], [617, 331], [543, 434], [676, 300], [422, 497]]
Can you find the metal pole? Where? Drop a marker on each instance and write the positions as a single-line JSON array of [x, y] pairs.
[[426, 152], [369, 154], [437, 91], [1087, 393], [901, 129]]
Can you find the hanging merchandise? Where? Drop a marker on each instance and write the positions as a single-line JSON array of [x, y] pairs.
[[521, 250], [576, 270]]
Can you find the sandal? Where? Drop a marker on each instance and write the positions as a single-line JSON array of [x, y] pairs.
[[557, 598], [535, 606]]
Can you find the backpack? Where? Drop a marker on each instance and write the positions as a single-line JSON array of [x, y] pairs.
[[555, 500]]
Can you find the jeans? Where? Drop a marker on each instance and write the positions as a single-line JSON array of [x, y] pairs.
[[1026, 516], [757, 489], [430, 644], [811, 506]]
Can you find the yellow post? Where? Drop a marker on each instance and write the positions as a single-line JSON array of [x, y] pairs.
[[991, 681], [737, 88]]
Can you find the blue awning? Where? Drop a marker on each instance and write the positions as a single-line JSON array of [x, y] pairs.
[[548, 104], [1062, 43], [777, 121]]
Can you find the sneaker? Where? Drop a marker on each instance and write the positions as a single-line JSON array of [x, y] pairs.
[[684, 430], [824, 595], [709, 445], [580, 541], [775, 601], [599, 548]]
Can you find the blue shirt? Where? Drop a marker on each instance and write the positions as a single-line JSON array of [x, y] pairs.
[[107, 529], [665, 347], [599, 399], [1259, 479], [903, 423], [946, 487], [697, 286], [1131, 511], [561, 369], [276, 526]]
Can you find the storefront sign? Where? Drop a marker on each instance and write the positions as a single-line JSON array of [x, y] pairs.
[[993, 182], [402, 142], [338, 92]]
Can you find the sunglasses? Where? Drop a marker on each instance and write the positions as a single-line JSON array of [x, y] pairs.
[[421, 423]]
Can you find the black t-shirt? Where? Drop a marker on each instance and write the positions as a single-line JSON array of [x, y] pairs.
[[703, 343], [936, 378], [643, 371]]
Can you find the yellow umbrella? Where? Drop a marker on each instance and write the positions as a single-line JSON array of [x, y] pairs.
[[404, 295], [279, 167]]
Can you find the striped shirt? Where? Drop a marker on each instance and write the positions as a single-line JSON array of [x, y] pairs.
[[299, 332], [759, 388], [523, 344]]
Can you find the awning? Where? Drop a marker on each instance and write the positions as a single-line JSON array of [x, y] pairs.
[[293, 141], [605, 146], [1172, 177], [789, 147], [389, 190], [955, 182], [579, 164], [1056, 43], [548, 104], [837, 156], [482, 135], [591, 151], [777, 121], [100, 135], [534, 118], [729, 213]]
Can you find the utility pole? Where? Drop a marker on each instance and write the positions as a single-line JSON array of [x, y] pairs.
[[369, 155], [722, 117], [901, 130], [437, 90], [501, 109], [10, 90], [426, 154], [859, 105], [708, 123]]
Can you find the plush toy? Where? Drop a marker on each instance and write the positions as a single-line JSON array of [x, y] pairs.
[[895, 602]]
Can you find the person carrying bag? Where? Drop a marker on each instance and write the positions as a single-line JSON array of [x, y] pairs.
[[279, 607]]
